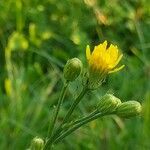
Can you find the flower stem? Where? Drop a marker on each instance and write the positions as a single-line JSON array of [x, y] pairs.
[[79, 120], [78, 125], [68, 125], [70, 111], [73, 106], [66, 118], [60, 101]]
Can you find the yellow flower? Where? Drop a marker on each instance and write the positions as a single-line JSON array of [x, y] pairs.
[[102, 60]]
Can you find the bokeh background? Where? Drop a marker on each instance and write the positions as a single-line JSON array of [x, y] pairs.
[[37, 37]]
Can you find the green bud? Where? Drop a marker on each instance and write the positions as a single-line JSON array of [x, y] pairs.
[[72, 69], [129, 109], [37, 144], [108, 103]]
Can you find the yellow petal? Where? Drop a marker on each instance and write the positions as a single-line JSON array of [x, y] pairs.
[[119, 58], [105, 44], [88, 52], [117, 69], [112, 50], [115, 63]]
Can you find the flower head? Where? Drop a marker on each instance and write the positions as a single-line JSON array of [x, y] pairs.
[[129, 109], [108, 103], [72, 69], [102, 61], [37, 144]]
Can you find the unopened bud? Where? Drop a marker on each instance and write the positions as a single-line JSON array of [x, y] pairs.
[[108, 103], [37, 144], [129, 109], [72, 69]]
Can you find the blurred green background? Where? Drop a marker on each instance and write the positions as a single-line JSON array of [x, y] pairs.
[[38, 37]]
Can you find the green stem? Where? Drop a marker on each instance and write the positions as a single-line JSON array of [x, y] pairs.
[[67, 126], [78, 125], [69, 113], [60, 101], [73, 106], [79, 120], [66, 118]]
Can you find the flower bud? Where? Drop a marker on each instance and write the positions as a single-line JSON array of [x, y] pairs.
[[108, 103], [129, 109], [37, 144], [72, 69]]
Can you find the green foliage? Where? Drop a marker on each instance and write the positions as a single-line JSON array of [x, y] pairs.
[[38, 37]]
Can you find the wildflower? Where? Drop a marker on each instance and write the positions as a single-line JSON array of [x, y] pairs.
[[129, 109], [72, 69], [108, 103], [102, 61], [37, 144]]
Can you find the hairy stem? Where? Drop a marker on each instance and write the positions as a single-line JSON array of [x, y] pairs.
[[66, 118], [68, 125], [70, 111], [78, 125], [73, 106], [60, 101]]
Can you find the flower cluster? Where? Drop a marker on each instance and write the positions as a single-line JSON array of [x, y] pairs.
[[102, 61]]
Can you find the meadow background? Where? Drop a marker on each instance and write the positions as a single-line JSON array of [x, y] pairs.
[[38, 37]]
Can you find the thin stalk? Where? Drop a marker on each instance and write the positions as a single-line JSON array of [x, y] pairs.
[[69, 113], [67, 126], [66, 118], [78, 125], [60, 101], [79, 120], [73, 106]]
